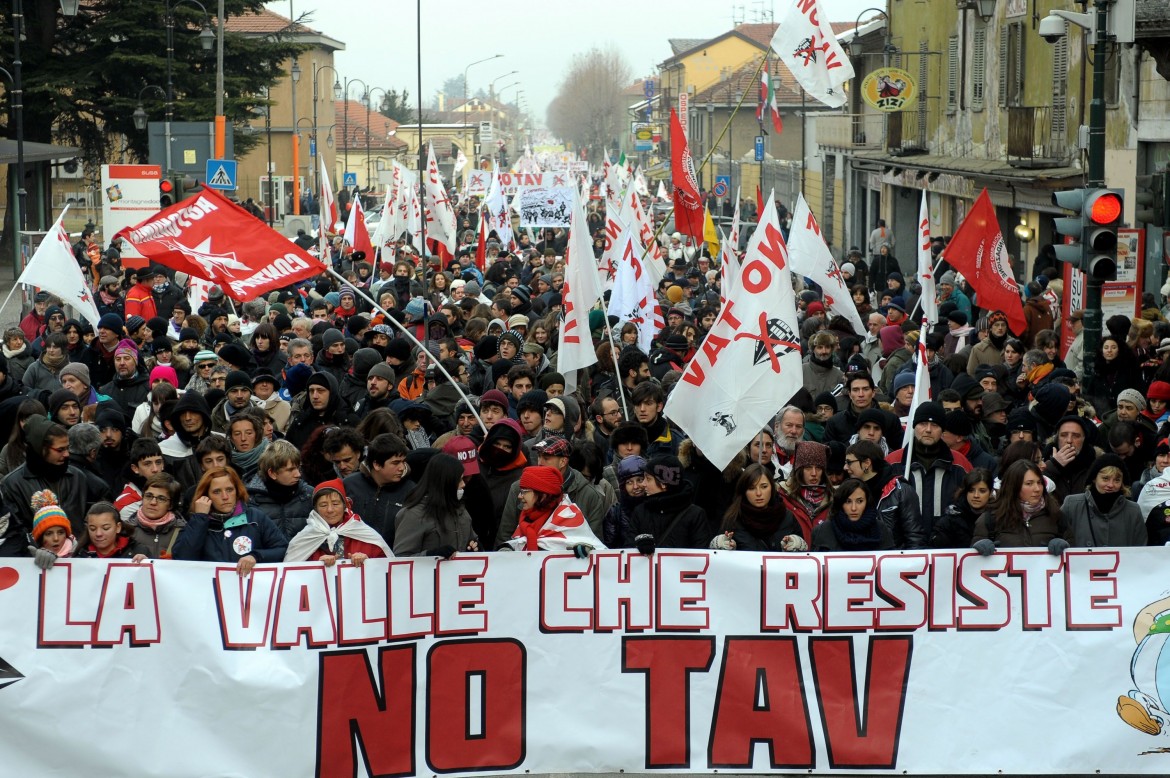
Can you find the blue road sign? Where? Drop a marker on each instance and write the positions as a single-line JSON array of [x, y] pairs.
[[759, 148], [221, 174], [349, 180], [312, 147], [648, 87], [722, 186]]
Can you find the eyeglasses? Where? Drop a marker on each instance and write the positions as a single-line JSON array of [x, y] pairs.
[[849, 462], [523, 491], [148, 497]]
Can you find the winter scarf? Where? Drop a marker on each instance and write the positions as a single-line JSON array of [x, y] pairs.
[[318, 532], [154, 525], [245, 461], [865, 534], [761, 522], [55, 363], [1104, 502]]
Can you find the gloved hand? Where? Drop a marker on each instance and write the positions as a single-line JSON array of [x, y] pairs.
[[724, 542], [793, 543], [1057, 546], [42, 557], [446, 552], [581, 551], [985, 547], [645, 543]]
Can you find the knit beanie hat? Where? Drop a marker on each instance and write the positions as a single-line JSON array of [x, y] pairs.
[[416, 308], [237, 379], [48, 514], [235, 355], [112, 322], [871, 416], [382, 370], [364, 360], [929, 412], [59, 398], [1159, 390], [551, 379], [330, 337], [666, 469], [543, 479], [1132, 396], [629, 432], [486, 347], [206, 355], [35, 430], [494, 397], [133, 323], [810, 454], [399, 349], [902, 380], [1102, 462], [165, 373], [126, 346], [825, 398], [957, 423], [500, 369], [80, 371]]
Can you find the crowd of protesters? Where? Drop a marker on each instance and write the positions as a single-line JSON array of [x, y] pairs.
[[305, 426]]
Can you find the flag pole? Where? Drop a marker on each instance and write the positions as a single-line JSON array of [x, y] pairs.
[[394, 322], [613, 351], [933, 272]]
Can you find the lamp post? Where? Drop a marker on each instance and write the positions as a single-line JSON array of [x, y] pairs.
[[345, 122], [295, 76], [492, 85], [336, 96], [465, 107], [857, 49], [368, 101], [206, 40], [139, 116]]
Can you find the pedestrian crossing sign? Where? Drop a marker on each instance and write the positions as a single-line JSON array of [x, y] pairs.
[[221, 174]]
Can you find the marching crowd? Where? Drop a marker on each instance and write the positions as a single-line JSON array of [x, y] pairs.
[[304, 426]]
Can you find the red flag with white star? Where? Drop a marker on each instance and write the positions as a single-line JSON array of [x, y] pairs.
[[208, 236]]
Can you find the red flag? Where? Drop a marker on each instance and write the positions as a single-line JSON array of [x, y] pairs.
[[481, 246], [355, 230], [978, 252], [688, 208], [759, 201], [208, 236]]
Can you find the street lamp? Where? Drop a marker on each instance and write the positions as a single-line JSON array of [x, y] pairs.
[[295, 75], [336, 96], [267, 111], [464, 135], [857, 48], [367, 100], [206, 40], [492, 87], [139, 116], [345, 121]]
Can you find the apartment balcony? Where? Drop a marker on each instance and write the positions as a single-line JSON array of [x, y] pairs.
[[1033, 142], [906, 133], [851, 130]]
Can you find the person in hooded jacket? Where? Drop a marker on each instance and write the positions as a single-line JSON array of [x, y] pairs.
[[1072, 455], [266, 349], [668, 515], [191, 420], [320, 406], [1102, 516], [332, 358], [956, 527], [821, 373], [671, 354], [502, 459], [757, 519], [353, 384]]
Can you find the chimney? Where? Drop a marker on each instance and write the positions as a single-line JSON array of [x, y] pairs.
[[442, 102]]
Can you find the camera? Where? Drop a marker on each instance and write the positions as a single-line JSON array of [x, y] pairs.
[[1053, 28]]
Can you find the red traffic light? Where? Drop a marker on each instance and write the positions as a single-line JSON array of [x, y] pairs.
[[166, 187], [1106, 209]]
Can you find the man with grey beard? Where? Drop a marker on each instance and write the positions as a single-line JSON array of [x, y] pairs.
[[789, 431]]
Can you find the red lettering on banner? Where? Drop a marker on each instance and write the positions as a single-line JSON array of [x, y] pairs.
[[861, 735], [123, 609], [809, 9], [351, 708], [570, 325], [476, 692], [667, 663], [1090, 583], [761, 699], [811, 223]]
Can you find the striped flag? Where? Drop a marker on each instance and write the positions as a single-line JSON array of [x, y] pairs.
[[767, 102]]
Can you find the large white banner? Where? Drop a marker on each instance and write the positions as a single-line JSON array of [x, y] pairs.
[[684, 661], [130, 195], [480, 181], [542, 206]]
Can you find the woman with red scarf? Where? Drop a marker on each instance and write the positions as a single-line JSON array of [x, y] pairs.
[[807, 494], [334, 532], [549, 519]]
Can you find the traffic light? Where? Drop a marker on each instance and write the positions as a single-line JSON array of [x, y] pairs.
[[1151, 199], [187, 186], [166, 193], [1091, 233]]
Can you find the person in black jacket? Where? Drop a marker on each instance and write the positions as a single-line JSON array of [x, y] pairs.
[[278, 489], [668, 515], [379, 488], [757, 519], [222, 527], [322, 405], [956, 527], [46, 466], [130, 386]]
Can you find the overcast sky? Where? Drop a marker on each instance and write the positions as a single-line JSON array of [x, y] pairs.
[[537, 39]]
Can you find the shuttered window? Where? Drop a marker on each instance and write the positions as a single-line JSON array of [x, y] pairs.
[[978, 67], [952, 74]]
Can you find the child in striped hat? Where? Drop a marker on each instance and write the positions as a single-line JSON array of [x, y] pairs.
[[51, 531]]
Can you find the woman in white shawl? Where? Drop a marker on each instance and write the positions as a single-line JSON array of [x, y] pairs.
[[334, 531]]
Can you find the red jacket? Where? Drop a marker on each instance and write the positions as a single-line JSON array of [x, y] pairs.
[[140, 302]]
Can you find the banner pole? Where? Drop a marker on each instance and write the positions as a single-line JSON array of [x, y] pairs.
[[613, 350], [394, 322]]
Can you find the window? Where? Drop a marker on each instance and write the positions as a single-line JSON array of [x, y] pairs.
[[979, 67], [1060, 90], [1011, 64], [828, 192]]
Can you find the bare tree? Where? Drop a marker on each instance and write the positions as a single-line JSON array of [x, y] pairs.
[[589, 109]]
